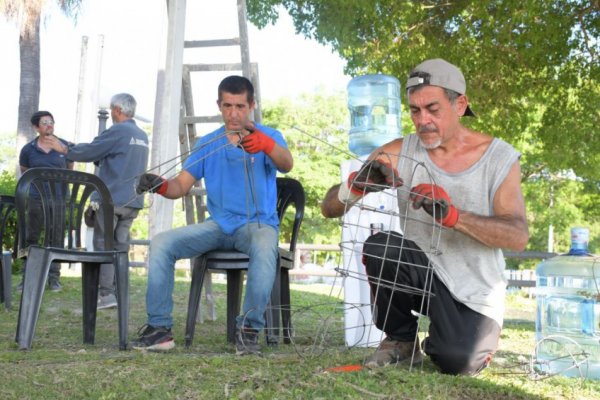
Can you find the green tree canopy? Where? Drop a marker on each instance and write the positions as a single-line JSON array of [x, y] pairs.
[[532, 67], [533, 78], [315, 128]]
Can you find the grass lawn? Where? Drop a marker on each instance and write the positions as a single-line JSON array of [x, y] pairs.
[[59, 366]]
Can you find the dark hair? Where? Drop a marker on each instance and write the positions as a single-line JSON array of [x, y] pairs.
[[35, 118], [235, 84]]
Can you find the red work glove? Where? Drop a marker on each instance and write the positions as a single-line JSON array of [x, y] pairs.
[[374, 176], [257, 141], [436, 202], [152, 183]]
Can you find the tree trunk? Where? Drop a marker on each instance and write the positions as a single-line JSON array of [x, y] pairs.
[[29, 87]]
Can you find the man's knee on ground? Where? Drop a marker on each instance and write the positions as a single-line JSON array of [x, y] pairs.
[[461, 363]]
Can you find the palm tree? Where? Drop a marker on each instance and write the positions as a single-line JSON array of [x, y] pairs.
[[27, 13]]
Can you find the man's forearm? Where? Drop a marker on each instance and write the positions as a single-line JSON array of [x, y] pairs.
[[282, 158], [331, 207], [507, 232]]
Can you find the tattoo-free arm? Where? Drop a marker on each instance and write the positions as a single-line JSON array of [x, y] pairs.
[[507, 228], [180, 185]]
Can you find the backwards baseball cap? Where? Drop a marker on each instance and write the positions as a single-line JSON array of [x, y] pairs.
[[438, 72]]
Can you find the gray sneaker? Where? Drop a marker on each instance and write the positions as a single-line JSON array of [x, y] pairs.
[[246, 341], [394, 352], [108, 301]]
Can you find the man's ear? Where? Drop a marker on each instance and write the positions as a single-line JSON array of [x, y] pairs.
[[461, 104]]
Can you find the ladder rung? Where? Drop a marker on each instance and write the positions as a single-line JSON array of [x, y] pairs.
[[214, 67], [211, 43], [216, 119]]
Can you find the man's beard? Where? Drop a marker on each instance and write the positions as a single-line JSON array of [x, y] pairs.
[[430, 146]]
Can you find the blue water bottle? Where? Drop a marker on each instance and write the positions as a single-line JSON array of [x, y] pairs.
[[374, 105], [579, 241]]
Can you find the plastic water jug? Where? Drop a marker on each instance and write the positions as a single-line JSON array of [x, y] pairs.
[[374, 105], [567, 322]]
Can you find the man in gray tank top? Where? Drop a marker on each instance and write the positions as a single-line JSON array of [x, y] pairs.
[[464, 200]]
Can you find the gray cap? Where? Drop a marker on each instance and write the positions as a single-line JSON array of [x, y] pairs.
[[438, 72]]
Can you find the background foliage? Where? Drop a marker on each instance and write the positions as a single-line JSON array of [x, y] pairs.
[[316, 135], [8, 183], [532, 72], [532, 67]]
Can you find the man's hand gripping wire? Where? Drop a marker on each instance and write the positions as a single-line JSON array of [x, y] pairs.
[[436, 202], [152, 183], [256, 140], [374, 176]]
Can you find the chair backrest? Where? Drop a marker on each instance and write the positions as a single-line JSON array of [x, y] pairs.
[[291, 192], [7, 206], [64, 195]]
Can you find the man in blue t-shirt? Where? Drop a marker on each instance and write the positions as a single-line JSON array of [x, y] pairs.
[[37, 154], [239, 163]]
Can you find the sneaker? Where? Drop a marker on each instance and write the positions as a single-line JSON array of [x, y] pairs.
[[54, 285], [393, 352], [108, 301], [246, 341], [154, 338]]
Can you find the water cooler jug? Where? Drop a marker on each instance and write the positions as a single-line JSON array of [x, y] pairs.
[[374, 105], [567, 323]]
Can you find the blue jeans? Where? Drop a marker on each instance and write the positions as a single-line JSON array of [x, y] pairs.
[[260, 243]]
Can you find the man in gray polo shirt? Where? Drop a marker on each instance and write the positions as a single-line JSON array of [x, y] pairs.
[[121, 155]]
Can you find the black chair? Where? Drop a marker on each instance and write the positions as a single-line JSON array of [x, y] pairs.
[[64, 194], [289, 192], [7, 206]]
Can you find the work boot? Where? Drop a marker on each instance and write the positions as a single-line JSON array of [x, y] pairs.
[[393, 352]]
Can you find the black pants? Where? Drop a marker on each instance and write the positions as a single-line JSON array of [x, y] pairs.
[[460, 340]]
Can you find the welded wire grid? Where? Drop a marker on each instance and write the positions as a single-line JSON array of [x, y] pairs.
[[366, 217], [318, 327]]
